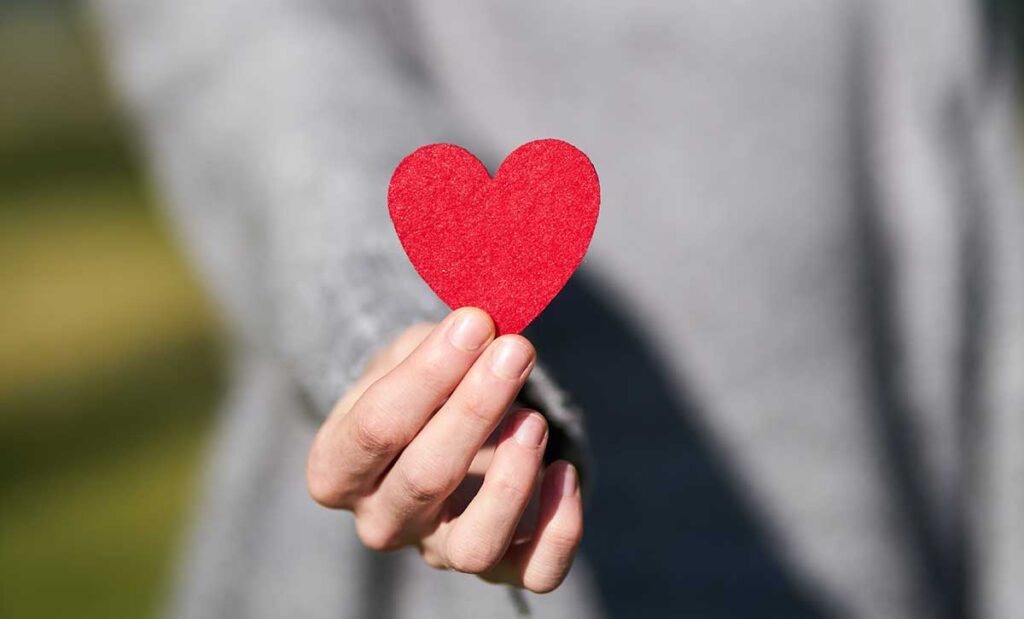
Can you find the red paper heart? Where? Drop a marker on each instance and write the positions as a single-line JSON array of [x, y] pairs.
[[506, 245]]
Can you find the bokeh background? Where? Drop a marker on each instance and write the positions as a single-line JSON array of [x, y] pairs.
[[110, 366]]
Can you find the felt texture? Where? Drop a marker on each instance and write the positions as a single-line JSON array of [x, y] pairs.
[[506, 245]]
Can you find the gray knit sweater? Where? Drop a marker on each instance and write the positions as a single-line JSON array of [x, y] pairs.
[[797, 342]]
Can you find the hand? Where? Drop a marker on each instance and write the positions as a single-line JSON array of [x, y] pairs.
[[404, 449]]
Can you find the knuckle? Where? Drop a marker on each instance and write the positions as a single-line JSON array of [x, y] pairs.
[[424, 484], [374, 432], [377, 536], [470, 558], [325, 490], [322, 484]]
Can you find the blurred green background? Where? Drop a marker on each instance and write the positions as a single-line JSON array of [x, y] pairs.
[[109, 362]]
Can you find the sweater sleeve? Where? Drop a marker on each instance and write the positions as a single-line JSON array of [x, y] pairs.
[[273, 127]]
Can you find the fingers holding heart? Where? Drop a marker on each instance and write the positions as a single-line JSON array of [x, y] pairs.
[[405, 450], [355, 446]]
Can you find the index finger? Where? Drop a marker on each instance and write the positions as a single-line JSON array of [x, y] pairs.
[[351, 451]]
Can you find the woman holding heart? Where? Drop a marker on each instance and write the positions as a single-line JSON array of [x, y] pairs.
[[797, 339]]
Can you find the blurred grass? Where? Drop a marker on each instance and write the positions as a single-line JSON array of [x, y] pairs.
[[109, 367]]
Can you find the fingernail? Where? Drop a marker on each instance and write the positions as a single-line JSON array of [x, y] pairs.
[[531, 430], [510, 359], [470, 331], [569, 481]]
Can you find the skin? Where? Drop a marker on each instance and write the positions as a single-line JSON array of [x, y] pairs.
[[424, 450]]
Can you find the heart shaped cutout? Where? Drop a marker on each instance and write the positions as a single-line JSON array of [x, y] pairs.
[[506, 245]]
